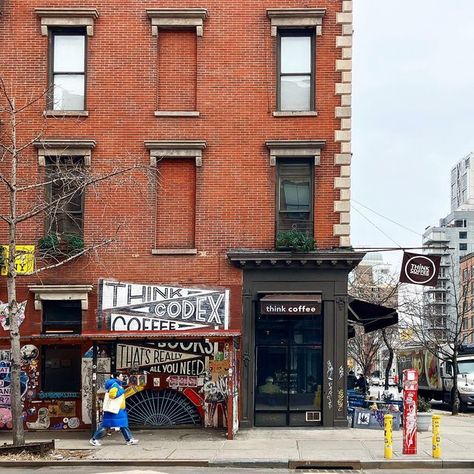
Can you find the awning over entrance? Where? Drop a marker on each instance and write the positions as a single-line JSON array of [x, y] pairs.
[[371, 316]]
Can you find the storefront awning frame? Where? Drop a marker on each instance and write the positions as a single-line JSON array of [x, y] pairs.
[[369, 315]]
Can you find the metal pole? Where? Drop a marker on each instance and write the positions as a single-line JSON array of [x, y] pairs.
[[436, 440], [94, 387], [388, 439]]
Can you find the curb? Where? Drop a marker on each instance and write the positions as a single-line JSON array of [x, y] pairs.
[[267, 464], [108, 462]]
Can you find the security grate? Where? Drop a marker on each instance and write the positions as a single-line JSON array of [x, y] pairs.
[[154, 408]]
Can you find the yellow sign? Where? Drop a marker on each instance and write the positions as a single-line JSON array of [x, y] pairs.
[[24, 259]]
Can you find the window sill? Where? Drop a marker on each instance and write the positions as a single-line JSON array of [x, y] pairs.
[[66, 113], [309, 113], [174, 251], [176, 113]]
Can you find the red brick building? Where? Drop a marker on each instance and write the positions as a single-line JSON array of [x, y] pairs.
[[243, 112]]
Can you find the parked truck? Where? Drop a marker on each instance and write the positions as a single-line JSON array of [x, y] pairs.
[[435, 375]]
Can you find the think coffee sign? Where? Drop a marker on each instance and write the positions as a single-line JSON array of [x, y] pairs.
[[420, 269]]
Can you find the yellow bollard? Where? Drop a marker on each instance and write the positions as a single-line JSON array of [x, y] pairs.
[[436, 441], [388, 441]]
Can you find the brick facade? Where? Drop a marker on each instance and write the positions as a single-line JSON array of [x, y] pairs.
[[215, 84]]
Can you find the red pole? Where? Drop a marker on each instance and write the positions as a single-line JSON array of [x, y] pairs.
[[410, 402]]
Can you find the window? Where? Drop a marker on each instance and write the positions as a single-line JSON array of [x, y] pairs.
[[61, 369], [178, 162], [296, 70], [462, 246], [63, 316], [463, 235], [295, 196], [67, 68], [65, 192], [178, 30]]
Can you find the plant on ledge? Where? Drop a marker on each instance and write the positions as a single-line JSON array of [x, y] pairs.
[[294, 240], [56, 245]]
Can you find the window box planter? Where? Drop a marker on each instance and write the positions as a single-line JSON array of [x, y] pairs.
[[294, 241]]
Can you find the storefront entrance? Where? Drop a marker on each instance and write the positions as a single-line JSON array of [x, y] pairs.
[[289, 370]]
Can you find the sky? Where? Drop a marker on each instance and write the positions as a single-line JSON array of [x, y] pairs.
[[412, 117]]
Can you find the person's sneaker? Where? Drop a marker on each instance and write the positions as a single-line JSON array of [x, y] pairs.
[[95, 442], [132, 441]]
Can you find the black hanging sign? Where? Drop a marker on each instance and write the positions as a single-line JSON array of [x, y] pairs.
[[420, 269]]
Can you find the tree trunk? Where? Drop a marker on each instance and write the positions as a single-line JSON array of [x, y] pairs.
[[15, 344], [454, 391], [15, 353], [388, 368]]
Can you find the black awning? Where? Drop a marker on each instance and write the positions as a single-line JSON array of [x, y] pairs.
[[371, 316]]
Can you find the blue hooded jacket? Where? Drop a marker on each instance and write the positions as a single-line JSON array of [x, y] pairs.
[[112, 420]]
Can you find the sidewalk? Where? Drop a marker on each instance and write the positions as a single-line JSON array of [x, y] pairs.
[[275, 447]]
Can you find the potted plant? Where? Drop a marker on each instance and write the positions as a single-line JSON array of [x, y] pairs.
[[424, 414], [294, 240], [60, 245]]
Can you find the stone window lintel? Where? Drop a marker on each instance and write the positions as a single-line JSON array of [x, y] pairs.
[[60, 293], [296, 18], [175, 149], [177, 18], [67, 17], [56, 147], [294, 148]]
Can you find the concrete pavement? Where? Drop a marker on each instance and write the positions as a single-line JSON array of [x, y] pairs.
[[271, 447]]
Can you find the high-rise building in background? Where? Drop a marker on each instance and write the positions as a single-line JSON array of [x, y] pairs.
[[452, 239], [462, 185]]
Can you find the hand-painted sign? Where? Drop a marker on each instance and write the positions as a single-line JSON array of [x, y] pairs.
[[24, 259], [135, 307], [184, 358], [420, 269]]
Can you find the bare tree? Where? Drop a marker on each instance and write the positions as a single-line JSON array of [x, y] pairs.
[[380, 288], [444, 334], [364, 349], [52, 200]]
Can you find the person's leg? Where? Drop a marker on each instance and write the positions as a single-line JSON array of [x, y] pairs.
[[99, 433], [127, 434]]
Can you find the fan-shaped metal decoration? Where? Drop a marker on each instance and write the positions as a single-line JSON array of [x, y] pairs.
[[152, 408]]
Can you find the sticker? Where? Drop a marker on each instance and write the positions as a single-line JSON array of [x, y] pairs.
[[73, 422]]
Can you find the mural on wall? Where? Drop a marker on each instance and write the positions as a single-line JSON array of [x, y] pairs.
[[197, 369], [136, 307], [28, 380], [42, 410]]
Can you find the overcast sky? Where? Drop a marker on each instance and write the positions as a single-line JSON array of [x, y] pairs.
[[413, 105]]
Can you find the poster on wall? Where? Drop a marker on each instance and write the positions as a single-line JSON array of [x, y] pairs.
[[153, 308]]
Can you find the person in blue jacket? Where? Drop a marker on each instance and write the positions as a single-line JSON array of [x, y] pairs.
[[114, 386]]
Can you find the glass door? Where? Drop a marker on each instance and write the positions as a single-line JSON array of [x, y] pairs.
[[288, 370]]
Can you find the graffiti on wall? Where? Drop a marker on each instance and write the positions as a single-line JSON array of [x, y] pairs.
[[5, 315], [330, 378], [135, 307], [103, 373], [28, 380]]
